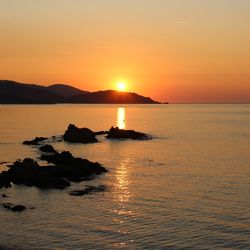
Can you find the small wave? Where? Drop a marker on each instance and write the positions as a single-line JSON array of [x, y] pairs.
[[11, 248], [3, 162]]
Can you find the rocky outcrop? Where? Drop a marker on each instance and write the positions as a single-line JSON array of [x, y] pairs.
[[72, 168], [66, 168], [79, 135], [13, 207], [88, 190], [28, 172], [47, 149], [35, 141], [116, 133], [5, 179]]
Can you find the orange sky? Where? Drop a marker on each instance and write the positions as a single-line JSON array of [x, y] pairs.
[[178, 50]]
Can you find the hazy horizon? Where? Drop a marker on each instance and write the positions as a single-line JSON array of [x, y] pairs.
[[176, 51]]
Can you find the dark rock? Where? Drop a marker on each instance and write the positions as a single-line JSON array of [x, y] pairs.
[[7, 205], [28, 172], [72, 168], [88, 190], [56, 138], [35, 141], [12, 207], [79, 135], [18, 208], [5, 179], [101, 132], [67, 168], [47, 149], [116, 133], [5, 196]]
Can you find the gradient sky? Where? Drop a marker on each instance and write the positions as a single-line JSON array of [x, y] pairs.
[[172, 50]]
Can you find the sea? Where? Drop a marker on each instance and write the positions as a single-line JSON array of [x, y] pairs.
[[187, 188]]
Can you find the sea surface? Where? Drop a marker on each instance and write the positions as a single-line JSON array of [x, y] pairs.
[[188, 188]]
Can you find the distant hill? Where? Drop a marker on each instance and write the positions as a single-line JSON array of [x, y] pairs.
[[111, 96], [12, 92], [65, 90], [18, 93]]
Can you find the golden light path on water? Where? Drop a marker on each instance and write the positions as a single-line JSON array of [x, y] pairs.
[[121, 118], [124, 213], [123, 182]]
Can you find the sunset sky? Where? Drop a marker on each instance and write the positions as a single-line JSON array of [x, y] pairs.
[[182, 51]]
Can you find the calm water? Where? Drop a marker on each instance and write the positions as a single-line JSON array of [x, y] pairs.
[[187, 188]]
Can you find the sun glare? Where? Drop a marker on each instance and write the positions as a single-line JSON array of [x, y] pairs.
[[121, 86]]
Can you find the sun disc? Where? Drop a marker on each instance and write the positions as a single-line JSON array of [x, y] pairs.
[[121, 86]]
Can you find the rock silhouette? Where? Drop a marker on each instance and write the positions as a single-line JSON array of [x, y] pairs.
[[35, 141], [88, 190], [66, 168], [47, 149], [12, 207], [28, 172], [79, 135], [72, 168], [18, 208], [5, 180], [116, 133]]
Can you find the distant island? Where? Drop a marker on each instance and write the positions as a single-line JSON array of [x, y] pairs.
[[12, 92]]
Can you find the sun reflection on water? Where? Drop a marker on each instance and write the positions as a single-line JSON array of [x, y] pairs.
[[121, 118], [124, 214], [122, 192], [123, 182]]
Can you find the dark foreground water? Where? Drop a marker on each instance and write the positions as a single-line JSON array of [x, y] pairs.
[[187, 188]]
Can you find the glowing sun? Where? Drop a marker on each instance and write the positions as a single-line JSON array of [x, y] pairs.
[[121, 86]]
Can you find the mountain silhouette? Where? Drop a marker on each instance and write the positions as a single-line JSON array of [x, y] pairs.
[[12, 92], [110, 96], [19, 93], [65, 90]]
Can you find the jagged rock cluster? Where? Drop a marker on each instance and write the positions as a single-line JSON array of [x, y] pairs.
[[63, 168]]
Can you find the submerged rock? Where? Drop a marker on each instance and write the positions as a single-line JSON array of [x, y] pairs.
[[88, 190], [47, 149], [35, 141], [18, 208], [79, 135], [7, 205], [56, 138], [13, 207], [116, 133]]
